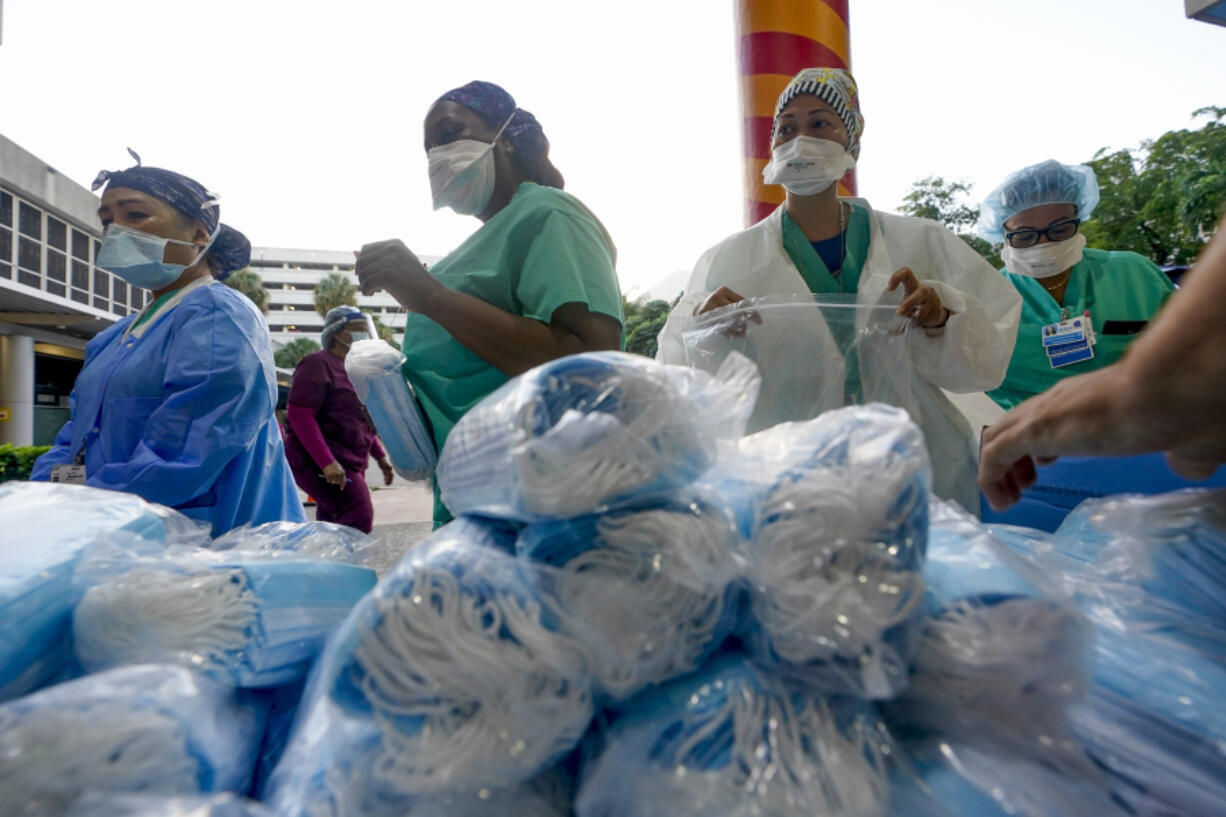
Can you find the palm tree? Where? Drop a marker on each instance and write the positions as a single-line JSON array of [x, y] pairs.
[[334, 290], [250, 284]]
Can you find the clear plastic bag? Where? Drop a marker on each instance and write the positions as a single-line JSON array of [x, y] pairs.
[[591, 432], [452, 676], [318, 540], [835, 516], [374, 369], [46, 528], [112, 804], [147, 728], [1005, 654], [251, 618], [815, 353], [732, 741], [654, 589]]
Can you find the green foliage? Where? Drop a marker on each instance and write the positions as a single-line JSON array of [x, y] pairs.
[[334, 290], [643, 324], [292, 353], [946, 202], [17, 462], [251, 285], [1163, 200]]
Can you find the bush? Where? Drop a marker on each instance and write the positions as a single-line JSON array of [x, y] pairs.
[[16, 463]]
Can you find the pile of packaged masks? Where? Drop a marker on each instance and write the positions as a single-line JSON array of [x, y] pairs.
[[374, 369], [138, 649], [640, 611]]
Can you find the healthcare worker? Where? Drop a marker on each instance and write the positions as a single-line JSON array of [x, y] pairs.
[[963, 315], [535, 282], [176, 404], [329, 437], [1081, 308]]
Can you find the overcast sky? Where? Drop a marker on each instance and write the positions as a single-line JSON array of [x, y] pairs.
[[306, 116]]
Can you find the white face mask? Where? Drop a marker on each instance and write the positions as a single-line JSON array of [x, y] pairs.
[[462, 174], [1044, 260], [806, 166]]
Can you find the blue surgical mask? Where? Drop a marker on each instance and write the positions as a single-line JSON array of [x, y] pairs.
[[136, 257], [354, 337]]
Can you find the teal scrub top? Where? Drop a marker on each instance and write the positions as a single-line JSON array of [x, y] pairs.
[[820, 281], [541, 251], [1113, 286]]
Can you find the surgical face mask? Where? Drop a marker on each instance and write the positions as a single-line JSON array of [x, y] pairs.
[[806, 166], [462, 174], [354, 337], [1044, 260], [136, 256]]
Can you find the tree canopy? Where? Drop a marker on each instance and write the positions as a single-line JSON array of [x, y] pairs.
[[251, 285], [334, 290], [643, 324], [292, 353]]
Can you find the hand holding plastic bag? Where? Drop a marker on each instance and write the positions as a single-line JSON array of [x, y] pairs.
[[374, 369]]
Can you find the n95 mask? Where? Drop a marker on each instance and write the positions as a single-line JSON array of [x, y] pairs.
[[806, 166], [462, 173]]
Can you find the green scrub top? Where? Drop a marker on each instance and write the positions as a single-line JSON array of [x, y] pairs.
[[541, 251], [1114, 286], [820, 281]]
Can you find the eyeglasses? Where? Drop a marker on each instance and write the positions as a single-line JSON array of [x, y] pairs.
[[1060, 231]]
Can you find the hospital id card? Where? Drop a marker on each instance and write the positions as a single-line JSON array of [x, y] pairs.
[[1069, 331], [68, 474], [1069, 353]]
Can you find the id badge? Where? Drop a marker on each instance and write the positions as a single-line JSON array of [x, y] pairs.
[[1067, 332], [68, 474], [1069, 353]]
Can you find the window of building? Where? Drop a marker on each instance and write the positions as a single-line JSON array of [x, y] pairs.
[[57, 266], [80, 245], [119, 294], [102, 288], [29, 262], [6, 209], [6, 251], [30, 221], [57, 233]]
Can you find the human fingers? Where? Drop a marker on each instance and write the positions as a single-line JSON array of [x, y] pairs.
[[906, 277], [913, 304]]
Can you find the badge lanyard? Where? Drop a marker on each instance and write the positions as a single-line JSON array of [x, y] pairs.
[[1069, 341]]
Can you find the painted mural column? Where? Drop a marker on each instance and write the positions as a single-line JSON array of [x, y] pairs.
[[775, 40]]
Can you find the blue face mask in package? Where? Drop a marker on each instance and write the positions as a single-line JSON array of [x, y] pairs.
[[834, 512], [250, 618], [374, 369], [655, 587], [1142, 570], [732, 741], [453, 675], [1004, 655], [591, 432], [147, 728], [49, 525]]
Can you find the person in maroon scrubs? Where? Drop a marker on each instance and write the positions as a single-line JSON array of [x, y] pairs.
[[329, 435]]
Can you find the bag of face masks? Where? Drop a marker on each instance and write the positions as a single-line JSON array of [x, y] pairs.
[[315, 540], [834, 513], [591, 432], [147, 728], [374, 369], [249, 618], [114, 804], [47, 528]]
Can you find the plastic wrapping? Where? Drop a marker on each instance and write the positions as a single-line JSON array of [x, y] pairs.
[[251, 618], [374, 369], [46, 527], [452, 676], [1144, 570], [815, 353], [1005, 654], [318, 540], [148, 728], [939, 778], [653, 588], [112, 804], [591, 432], [733, 742], [835, 513]]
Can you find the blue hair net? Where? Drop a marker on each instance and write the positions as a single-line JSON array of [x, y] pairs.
[[1045, 183], [335, 321]]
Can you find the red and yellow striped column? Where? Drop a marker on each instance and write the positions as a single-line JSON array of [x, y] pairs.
[[775, 40]]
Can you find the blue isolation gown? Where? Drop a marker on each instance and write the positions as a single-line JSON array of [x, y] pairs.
[[180, 410]]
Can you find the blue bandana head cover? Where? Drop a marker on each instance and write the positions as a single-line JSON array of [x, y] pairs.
[[230, 251], [495, 106]]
